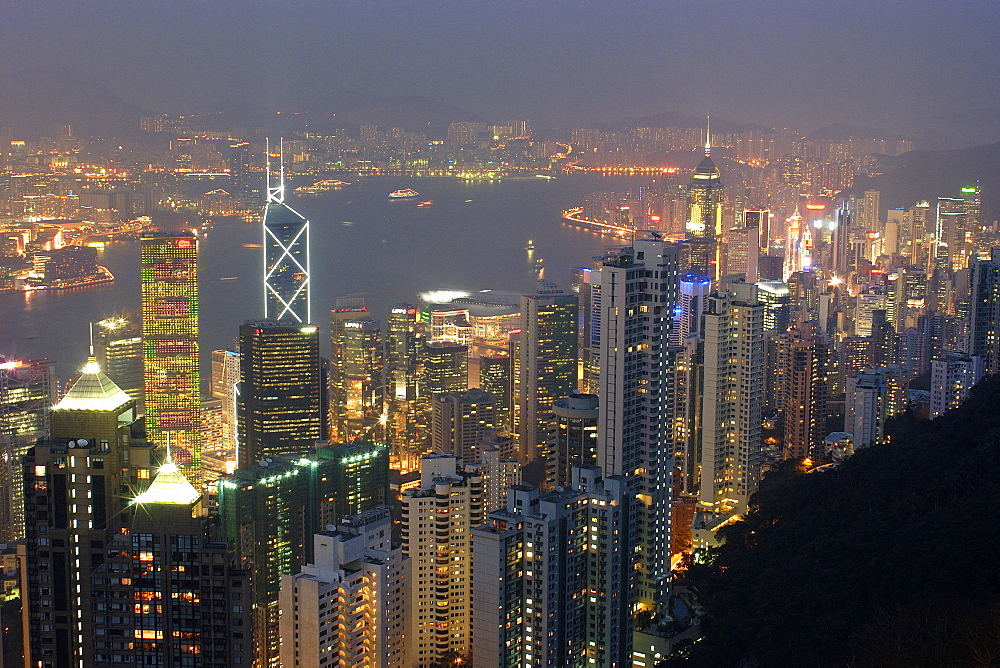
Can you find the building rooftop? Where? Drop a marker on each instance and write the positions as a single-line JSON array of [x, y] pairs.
[[94, 391], [170, 487]]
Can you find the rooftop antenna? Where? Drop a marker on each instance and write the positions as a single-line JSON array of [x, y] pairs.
[[275, 194], [281, 157], [708, 136], [91, 339]]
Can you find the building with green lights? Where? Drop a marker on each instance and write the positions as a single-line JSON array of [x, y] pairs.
[[170, 344], [271, 510]]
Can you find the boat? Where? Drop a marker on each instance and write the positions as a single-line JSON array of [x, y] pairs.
[[530, 246], [425, 203], [322, 186], [405, 193]]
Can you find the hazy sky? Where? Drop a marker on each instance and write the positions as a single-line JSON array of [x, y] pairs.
[[558, 62]]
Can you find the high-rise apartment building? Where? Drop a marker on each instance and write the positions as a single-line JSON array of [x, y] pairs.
[[546, 364], [732, 397], [271, 510], [760, 219], [637, 293], [347, 606], [118, 349], [172, 375], [279, 407], [494, 377], [952, 379], [286, 255], [984, 319], [692, 298], [804, 360], [742, 252], [438, 519], [403, 341], [554, 576], [871, 398], [460, 420], [572, 438], [27, 394]]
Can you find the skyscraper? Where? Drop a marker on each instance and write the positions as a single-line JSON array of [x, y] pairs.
[[804, 358], [357, 385], [279, 407], [705, 195], [984, 320], [637, 292], [286, 254], [547, 363], [554, 576], [444, 367], [171, 368], [460, 420], [572, 438], [692, 299], [732, 397], [27, 393], [347, 606], [403, 341], [952, 379], [118, 349]]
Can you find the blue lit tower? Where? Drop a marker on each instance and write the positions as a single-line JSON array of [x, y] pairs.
[[286, 254]]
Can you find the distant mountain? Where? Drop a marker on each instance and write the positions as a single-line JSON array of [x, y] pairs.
[[410, 112], [920, 175], [845, 131], [35, 102], [673, 119]]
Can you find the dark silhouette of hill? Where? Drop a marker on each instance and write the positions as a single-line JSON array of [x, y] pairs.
[[410, 112], [845, 131], [920, 175], [888, 560], [35, 102]]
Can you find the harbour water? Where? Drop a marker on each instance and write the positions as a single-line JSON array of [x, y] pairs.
[[474, 236]]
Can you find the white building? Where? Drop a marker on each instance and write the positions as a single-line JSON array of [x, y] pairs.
[[952, 379], [348, 608]]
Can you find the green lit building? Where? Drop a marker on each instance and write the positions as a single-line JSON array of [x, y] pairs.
[[170, 345], [280, 401], [271, 510]]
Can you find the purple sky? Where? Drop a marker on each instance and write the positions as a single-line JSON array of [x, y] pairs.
[[801, 63]]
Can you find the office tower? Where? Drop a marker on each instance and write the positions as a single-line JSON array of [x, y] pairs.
[[403, 341], [172, 375], [27, 392], [793, 241], [973, 207], [871, 398], [240, 169], [638, 291], [118, 349], [572, 437], [546, 365], [554, 576], [77, 490], [225, 388], [271, 510], [279, 408], [868, 303], [840, 242], [692, 297], [459, 420], [494, 377], [760, 219], [705, 197], [444, 367], [732, 398], [770, 267], [777, 305], [357, 385], [743, 252], [438, 519], [984, 319], [347, 606], [951, 249], [286, 254], [952, 379], [803, 356]]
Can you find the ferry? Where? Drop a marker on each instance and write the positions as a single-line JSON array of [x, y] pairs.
[[322, 186], [405, 193], [530, 246], [425, 203]]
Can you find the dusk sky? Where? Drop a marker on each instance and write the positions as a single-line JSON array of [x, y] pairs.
[[559, 62]]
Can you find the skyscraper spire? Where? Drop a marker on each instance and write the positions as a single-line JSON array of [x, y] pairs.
[[708, 136], [286, 252], [277, 193]]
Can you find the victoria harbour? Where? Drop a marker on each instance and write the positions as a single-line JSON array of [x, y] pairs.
[[462, 241]]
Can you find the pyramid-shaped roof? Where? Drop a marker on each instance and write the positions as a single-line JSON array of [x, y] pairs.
[[94, 391], [169, 486]]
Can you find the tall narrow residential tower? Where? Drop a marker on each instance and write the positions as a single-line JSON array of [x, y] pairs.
[[286, 254]]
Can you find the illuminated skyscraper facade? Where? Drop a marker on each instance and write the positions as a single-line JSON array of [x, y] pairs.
[[118, 349], [286, 255], [357, 386], [547, 364], [27, 393], [279, 406], [170, 344], [705, 196]]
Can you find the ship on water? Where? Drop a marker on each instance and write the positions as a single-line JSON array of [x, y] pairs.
[[322, 187], [405, 193]]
